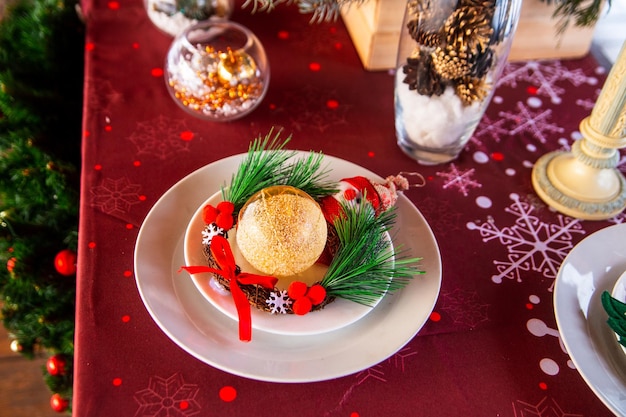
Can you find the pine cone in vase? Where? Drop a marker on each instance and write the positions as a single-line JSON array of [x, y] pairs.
[[422, 77], [422, 37], [470, 90], [469, 29], [451, 63]]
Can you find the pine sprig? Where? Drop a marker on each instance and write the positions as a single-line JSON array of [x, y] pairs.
[[263, 164], [267, 164], [366, 266], [308, 175], [321, 10]]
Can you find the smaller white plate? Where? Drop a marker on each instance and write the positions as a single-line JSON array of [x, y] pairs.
[[335, 315]]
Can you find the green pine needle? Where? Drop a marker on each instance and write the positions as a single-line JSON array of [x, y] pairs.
[[366, 266], [263, 164], [267, 164]]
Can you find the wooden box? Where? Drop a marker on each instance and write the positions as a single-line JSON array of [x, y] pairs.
[[375, 25]]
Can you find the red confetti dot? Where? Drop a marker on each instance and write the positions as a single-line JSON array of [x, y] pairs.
[[128, 273], [532, 90], [354, 414], [137, 163], [338, 46], [315, 66], [108, 128], [117, 382], [135, 45], [283, 34], [183, 405], [529, 306], [86, 133], [272, 106], [497, 156], [430, 178], [90, 46], [332, 30], [186, 135], [91, 245], [157, 72], [434, 316], [142, 198], [126, 319], [129, 226], [371, 154], [543, 386], [332, 104], [228, 393], [114, 5], [97, 167]]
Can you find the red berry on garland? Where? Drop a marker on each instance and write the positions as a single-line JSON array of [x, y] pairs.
[[65, 262], [225, 207], [11, 264], [296, 290], [224, 220], [58, 403], [209, 213], [302, 306], [56, 365], [316, 294]]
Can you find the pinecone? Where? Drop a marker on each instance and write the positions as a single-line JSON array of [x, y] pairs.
[[421, 76], [490, 5], [431, 39], [450, 63], [469, 28], [470, 89], [482, 63]]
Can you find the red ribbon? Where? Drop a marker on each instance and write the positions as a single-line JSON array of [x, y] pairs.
[[223, 255]]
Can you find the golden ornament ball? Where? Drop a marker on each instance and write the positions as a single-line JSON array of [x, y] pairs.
[[281, 231], [235, 67]]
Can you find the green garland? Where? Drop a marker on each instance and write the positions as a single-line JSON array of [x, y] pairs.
[[41, 80]]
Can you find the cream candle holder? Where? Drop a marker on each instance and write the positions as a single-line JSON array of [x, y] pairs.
[[585, 183]]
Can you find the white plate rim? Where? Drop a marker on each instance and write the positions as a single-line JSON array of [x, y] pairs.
[[181, 312], [591, 267]]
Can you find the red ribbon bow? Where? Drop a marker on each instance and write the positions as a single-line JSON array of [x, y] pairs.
[[223, 255]]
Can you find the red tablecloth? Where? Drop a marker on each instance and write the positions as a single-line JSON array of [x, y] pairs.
[[477, 354]]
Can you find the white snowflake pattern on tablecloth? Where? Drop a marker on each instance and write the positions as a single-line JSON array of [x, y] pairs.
[[490, 129], [535, 122], [532, 245], [115, 196], [546, 407], [171, 397], [460, 179], [545, 77], [162, 137]]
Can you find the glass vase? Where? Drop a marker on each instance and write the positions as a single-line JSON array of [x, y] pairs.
[[450, 56], [174, 16], [217, 71]]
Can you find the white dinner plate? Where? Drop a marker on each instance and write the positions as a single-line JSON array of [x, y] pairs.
[[200, 329], [335, 315], [593, 266]]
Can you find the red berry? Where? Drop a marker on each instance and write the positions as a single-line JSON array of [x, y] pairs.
[[316, 294], [55, 365], [65, 262], [302, 306], [296, 290], [224, 220], [225, 207], [209, 213], [11, 264], [58, 403]]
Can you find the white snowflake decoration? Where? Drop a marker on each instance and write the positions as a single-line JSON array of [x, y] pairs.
[[532, 245], [278, 302], [209, 231], [459, 179]]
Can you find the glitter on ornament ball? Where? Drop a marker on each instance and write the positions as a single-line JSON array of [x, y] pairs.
[[281, 231]]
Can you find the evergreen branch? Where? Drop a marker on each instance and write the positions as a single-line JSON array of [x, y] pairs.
[[307, 175], [321, 10], [259, 169], [366, 266]]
